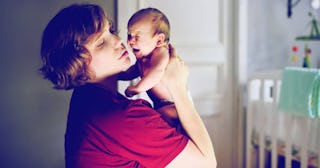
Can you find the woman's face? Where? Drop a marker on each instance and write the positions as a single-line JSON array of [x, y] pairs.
[[108, 54]]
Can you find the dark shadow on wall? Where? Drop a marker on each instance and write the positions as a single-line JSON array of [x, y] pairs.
[[32, 114]]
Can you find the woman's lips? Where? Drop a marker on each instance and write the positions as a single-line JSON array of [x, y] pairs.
[[124, 54]]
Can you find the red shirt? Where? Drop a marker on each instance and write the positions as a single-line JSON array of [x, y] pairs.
[[109, 130]]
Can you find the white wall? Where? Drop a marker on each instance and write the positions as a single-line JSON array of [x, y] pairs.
[[32, 114], [271, 34]]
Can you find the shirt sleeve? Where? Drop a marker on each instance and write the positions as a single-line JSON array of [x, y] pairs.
[[142, 135]]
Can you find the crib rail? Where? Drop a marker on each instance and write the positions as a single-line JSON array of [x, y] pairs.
[[275, 133]]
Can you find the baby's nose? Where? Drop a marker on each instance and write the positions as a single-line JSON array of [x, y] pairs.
[[131, 41]]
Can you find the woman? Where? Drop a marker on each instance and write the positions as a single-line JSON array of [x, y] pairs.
[[105, 129]]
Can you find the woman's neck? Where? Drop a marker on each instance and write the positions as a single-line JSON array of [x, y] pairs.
[[109, 83]]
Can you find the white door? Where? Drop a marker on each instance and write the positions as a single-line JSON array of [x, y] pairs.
[[201, 34]]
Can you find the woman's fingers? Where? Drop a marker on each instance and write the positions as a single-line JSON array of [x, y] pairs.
[[176, 73], [172, 51]]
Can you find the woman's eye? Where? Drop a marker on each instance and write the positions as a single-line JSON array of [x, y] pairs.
[[101, 44]]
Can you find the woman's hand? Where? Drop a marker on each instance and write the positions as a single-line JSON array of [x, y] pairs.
[[176, 73]]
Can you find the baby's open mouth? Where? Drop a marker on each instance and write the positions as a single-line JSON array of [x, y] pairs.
[[135, 50]]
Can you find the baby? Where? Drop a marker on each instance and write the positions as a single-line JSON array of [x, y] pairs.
[[148, 37]]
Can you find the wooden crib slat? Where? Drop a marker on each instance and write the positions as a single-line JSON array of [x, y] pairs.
[[288, 144], [261, 126], [318, 160], [318, 138], [274, 145], [304, 146], [249, 130]]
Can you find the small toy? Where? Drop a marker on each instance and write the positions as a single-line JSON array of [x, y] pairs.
[[307, 57], [294, 57]]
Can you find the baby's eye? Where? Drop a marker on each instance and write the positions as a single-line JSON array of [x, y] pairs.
[[129, 36]]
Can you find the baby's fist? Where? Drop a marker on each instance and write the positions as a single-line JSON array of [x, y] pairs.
[[130, 92]]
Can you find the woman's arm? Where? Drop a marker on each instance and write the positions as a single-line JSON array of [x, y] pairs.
[[199, 151]]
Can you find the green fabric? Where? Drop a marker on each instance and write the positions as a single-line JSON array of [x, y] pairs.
[[300, 91], [314, 101]]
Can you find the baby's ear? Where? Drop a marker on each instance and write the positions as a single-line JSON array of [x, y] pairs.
[[161, 38]]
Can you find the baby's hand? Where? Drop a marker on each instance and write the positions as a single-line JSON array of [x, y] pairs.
[[131, 91]]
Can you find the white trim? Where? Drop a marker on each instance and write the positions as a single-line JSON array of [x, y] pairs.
[[140, 4], [240, 75]]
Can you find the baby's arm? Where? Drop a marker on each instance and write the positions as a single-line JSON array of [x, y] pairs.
[[158, 62]]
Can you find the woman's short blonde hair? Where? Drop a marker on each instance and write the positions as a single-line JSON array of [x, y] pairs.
[[64, 57]]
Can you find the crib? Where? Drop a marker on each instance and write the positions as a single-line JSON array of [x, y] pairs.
[[275, 138]]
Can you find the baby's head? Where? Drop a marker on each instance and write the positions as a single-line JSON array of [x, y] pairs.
[[147, 29]]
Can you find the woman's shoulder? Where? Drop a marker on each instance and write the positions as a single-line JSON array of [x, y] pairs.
[[99, 101], [93, 101]]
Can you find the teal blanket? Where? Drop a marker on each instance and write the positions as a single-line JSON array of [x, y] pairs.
[[300, 91]]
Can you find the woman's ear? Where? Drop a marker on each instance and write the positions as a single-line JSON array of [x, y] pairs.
[[160, 40]]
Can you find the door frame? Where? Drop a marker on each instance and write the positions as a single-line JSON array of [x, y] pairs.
[[236, 61]]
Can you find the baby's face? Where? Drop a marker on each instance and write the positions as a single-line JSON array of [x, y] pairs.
[[141, 38]]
